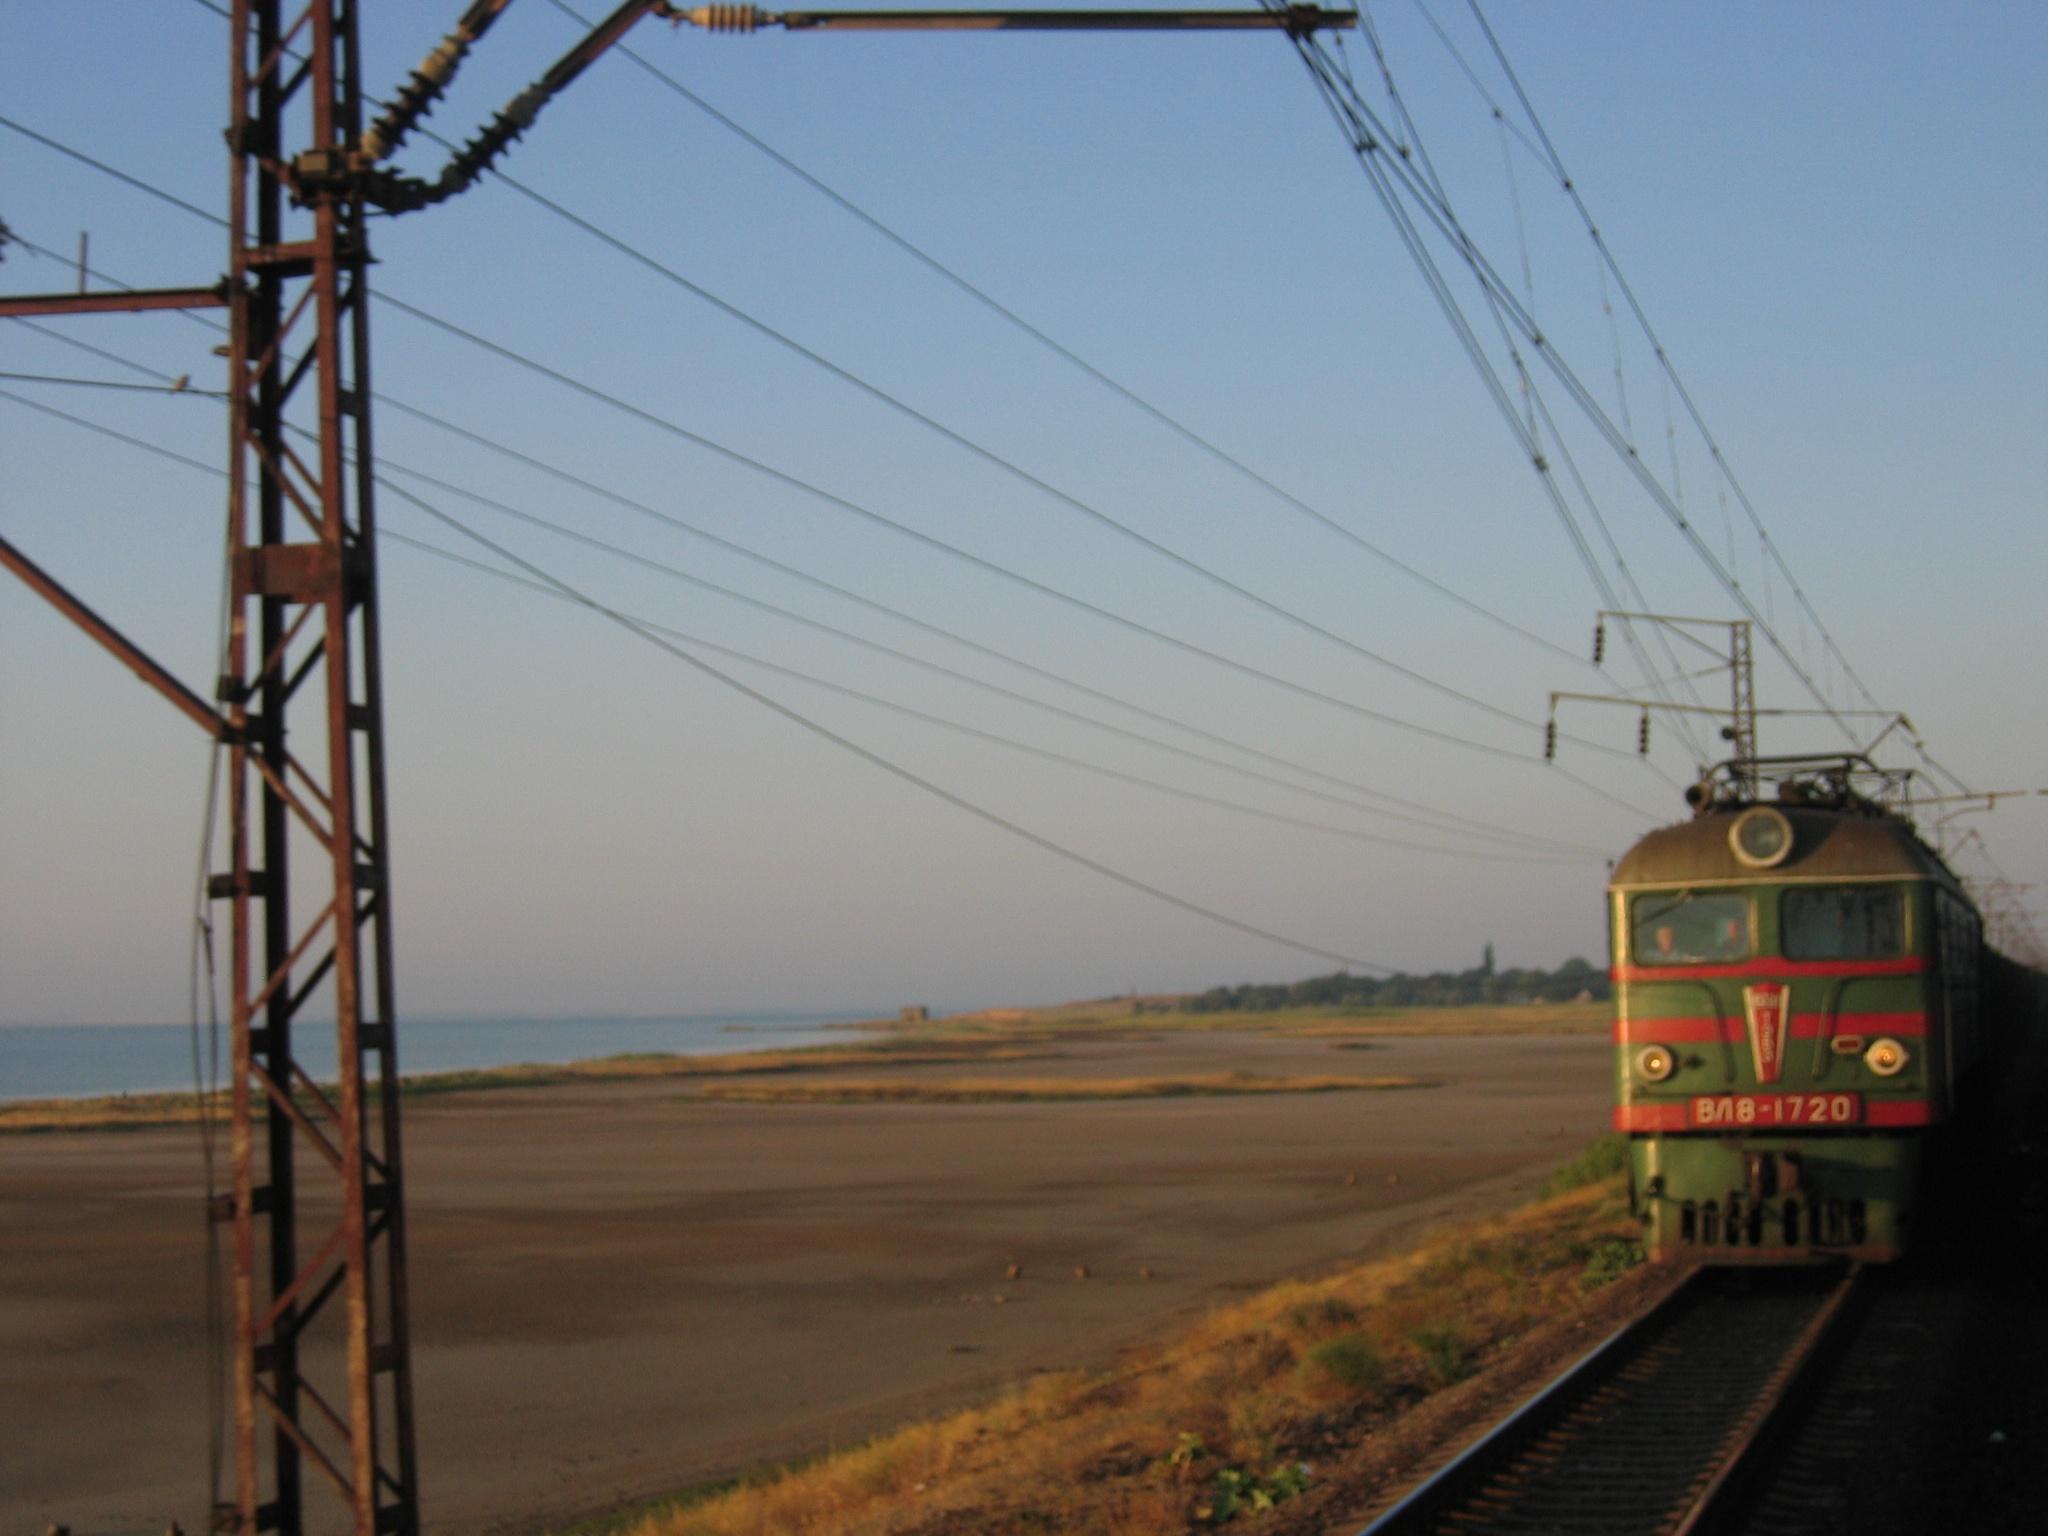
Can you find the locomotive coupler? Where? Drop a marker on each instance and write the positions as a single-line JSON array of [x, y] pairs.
[[1766, 1175]]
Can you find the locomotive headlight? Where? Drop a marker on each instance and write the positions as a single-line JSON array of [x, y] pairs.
[[1761, 837], [1654, 1063], [1887, 1058]]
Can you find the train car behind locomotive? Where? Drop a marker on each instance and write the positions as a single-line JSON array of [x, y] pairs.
[[1797, 1007]]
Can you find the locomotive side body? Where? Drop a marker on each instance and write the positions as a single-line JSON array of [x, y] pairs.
[[1796, 1009]]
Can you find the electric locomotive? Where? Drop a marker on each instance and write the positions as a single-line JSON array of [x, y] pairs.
[[1796, 1009]]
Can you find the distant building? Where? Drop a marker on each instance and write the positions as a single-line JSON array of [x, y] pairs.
[[916, 1014]]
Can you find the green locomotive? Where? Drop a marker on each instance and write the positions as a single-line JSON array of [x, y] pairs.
[[1798, 1006]]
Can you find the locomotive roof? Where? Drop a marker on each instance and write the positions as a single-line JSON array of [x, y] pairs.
[[1826, 845]]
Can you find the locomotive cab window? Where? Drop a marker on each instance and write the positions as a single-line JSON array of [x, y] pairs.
[[1843, 922], [1688, 927]]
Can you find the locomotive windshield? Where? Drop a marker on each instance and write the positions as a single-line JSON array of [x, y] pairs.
[[1688, 927], [1843, 922]]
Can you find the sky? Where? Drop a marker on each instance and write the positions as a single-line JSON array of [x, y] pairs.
[[1831, 214]]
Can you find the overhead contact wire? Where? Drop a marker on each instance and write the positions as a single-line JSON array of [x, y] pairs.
[[794, 482], [1437, 818], [1008, 466], [1424, 815], [1444, 821], [875, 759], [1366, 134], [1446, 225], [1570, 187], [1010, 743], [648, 563], [1066, 354], [1537, 404]]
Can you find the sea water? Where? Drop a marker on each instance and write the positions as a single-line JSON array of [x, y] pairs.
[[47, 1061]]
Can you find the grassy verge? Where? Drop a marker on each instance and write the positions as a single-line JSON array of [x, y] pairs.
[[1605, 1157], [1016, 1090], [116, 1112], [1230, 1418]]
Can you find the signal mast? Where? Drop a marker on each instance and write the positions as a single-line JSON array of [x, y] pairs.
[[1745, 769], [1745, 764]]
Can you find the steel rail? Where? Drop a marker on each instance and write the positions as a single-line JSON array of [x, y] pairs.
[[1705, 1495], [1791, 1388], [1453, 1482]]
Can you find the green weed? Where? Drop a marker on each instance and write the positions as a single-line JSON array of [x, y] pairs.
[[1609, 1259], [1446, 1352], [1348, 1361], [1246, 1493], [1605, 1157]]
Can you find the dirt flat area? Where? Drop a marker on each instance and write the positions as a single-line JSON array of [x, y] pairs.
[[618, 1291]]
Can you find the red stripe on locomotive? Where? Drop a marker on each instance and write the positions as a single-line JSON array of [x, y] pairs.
[[1704, 1030], [1772, 966]]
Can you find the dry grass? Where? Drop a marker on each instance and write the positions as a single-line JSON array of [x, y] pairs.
[[1219, 1421], [1503, 1019], [118, 1112], [1012, 1090], [1118, 1019], [640, 1067]]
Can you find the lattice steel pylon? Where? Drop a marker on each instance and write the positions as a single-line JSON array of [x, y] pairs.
[[322, 1358], [1742, 711], [321, 1352]]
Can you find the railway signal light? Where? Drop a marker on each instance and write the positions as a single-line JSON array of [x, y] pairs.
[[1643, 736], [1550, 741], [1599, 641]]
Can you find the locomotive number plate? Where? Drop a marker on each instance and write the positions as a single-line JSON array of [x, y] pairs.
[[1721, 1111]]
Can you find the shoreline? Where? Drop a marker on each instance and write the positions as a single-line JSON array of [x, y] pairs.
[[989, 1030], [531, 1047], [103, 1059]]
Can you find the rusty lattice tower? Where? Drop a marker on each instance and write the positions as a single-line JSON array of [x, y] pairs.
[[301, 691], [321, 1358]]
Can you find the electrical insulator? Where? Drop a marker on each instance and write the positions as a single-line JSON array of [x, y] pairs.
[[723, 18], [1550, 741], [1599, 642], [1643, 736]]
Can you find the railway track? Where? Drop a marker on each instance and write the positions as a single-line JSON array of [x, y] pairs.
[[1660, 1430]]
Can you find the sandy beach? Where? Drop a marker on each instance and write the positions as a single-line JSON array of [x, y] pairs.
[[620, 1289]]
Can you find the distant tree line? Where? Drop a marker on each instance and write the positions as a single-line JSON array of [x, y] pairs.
[[1574, 979]]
